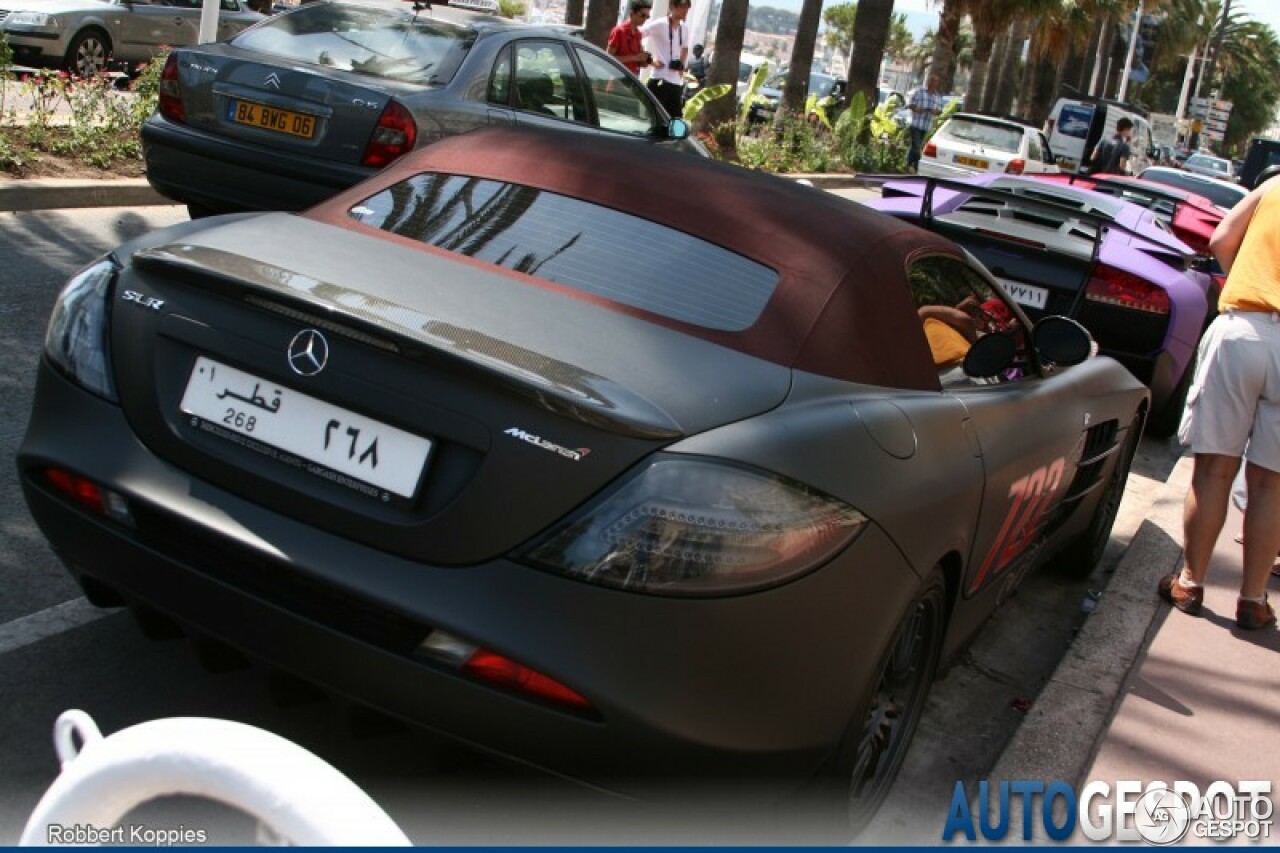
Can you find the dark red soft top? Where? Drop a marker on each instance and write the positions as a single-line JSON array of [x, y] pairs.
[[842, 307]]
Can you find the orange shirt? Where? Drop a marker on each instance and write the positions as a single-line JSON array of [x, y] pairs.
[[1254, 281]]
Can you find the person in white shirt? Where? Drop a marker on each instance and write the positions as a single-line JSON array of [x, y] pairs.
[[669, 45]]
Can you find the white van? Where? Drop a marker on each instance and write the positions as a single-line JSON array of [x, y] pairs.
[[1077, 125]]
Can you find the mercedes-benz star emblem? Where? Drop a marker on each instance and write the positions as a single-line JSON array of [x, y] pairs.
[[308, 352], [273, 80]]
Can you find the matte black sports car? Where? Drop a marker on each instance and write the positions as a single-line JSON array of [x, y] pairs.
[[588, 472]]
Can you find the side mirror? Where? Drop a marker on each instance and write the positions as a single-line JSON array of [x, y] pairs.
[[1060, 340], [990, 356], [678, 129]]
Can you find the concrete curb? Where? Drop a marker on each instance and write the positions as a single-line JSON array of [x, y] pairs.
[[1064, 729], [56, 193], [831, 181]]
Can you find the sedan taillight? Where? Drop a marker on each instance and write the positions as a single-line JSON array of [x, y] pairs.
[[393, 137], [170, 95], [931, 150], [1111, 286], [1015, 166]]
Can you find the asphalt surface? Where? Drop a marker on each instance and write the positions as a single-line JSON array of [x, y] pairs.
[[1007, 707]]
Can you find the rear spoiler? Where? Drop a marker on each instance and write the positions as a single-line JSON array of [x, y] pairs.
[[931, 184]]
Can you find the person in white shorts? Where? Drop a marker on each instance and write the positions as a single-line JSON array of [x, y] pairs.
[[1234, 403]]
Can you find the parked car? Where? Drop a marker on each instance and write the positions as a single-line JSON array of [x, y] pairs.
[[1263, 154], [1077, 125], [1210, 166], [1059, 249], [1191, 217], [829, 91], [1224, 194], [969, 143], [317, 99], [86, 37], [524, 440]]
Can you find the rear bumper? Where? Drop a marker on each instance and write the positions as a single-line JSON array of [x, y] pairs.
[[759, 685], [194, 167]]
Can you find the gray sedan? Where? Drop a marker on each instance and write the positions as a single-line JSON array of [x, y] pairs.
[[85, 36], [319, 98]]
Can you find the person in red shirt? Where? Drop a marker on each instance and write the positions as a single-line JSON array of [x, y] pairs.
[[624, 39]]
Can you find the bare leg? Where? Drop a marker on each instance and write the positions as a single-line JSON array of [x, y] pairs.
[[1261, 529], [1205, 510]]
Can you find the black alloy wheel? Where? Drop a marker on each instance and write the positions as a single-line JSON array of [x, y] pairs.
[[878, 742]]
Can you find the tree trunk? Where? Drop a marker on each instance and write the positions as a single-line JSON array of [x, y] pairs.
[[995, 72], [797, 88], [601, 17], [944, 51], [1004, 97], [573, 12], [870, 35], [1043, 89], [719, 116], [983, 44]]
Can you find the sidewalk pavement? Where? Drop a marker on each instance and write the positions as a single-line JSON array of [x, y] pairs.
[[1147, 693], [1144, 693]]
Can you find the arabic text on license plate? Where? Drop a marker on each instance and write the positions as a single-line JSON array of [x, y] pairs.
[[270, 118], [335, 438], [1026, 294], [976, 162]]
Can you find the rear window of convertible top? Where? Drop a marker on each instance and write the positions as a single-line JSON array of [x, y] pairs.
[[391, 43], [577, 244]]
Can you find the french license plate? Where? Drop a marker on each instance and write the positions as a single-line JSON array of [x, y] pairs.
[[331, 437], [270, 118], [1025, 294], [976, 162]]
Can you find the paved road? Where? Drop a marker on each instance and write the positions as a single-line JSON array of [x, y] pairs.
[[56, 652]]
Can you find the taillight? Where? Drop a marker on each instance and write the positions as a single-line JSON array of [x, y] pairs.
[[930, 150], [393, 137], [90, 495], [695, 527], [170, 94], [458, 654], [1048, 128], [1111, 286], [1015, 166]]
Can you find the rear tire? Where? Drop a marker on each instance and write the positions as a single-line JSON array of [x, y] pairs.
[[1164, 422], [1081, 557], [856, 780], [89, 53], [199, 211]]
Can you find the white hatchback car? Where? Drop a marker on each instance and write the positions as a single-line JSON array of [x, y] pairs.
[[1210, 166], [968, 144]]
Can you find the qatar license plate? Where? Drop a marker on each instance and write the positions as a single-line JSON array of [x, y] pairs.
[[337, 443], [270, 118], [1025, 294], [975, 162]]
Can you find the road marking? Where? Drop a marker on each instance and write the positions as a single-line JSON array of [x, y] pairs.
[[48, 623]]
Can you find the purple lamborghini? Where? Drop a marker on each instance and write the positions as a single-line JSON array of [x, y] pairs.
[[1111, 265]]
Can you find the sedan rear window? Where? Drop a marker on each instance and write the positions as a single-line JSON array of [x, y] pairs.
[[591, 249], [991, 134], [390, 43]]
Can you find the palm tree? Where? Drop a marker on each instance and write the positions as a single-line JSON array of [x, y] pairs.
[[944, 52], [870, 35], [989, 19], [797, 87], [601, 16], [721, 112]]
